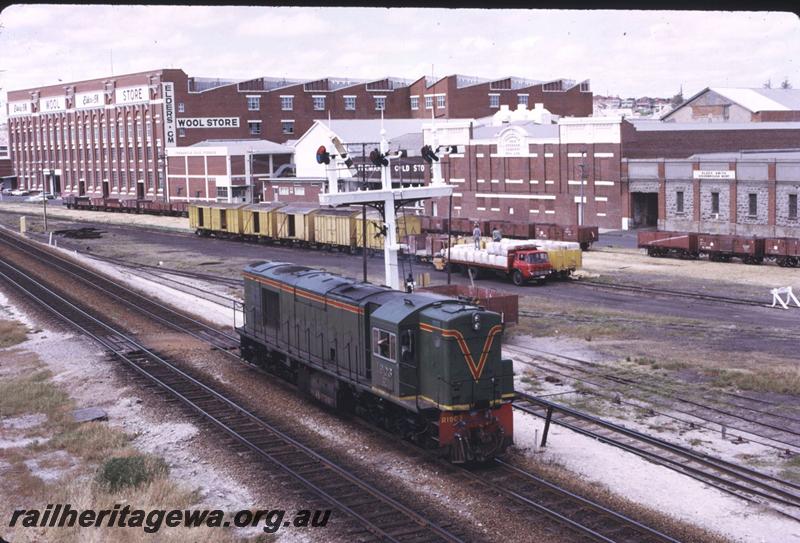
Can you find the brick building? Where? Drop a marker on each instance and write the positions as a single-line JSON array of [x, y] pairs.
[[109, 136], [522, 170], [749, 192]]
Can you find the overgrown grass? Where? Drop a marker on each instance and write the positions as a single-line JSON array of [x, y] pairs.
[[93, 441], [130, 471], [32, 394], [781, 380], [11, 333]]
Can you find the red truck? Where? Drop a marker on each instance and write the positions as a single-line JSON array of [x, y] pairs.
[[523, 264]]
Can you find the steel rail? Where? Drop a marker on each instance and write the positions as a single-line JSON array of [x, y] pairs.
[[534, 492], [670, 292], [181, 378], [155, 310], [760, 484], [651, 391]]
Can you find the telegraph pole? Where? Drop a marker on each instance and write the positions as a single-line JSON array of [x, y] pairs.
[[582, 166]]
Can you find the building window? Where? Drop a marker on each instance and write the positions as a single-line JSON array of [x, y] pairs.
[[299, 191], [429, 102], [287, 127], [793, 206], [255, 127], [440, 101], [679, 201], [752, 208], [715, 202], [181, 132], [181, 108], [319, 103], [380, 103], [253, 103], [415, 102], [522, 99], [287, 103], [494, 100], [350, 103]]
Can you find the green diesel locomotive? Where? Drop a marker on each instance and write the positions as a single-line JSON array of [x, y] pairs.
[[426, 367]]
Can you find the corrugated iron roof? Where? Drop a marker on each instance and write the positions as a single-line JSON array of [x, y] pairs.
[[648, 125], [762, 99]]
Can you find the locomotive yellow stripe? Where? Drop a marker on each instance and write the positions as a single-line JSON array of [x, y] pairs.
[[475, 369], [308, 295]]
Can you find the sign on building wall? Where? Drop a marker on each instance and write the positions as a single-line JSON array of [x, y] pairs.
[[411, 169], [53, 104], [87, 100], [198, 151], [19, 108], [714, 174], [132, 95], [168, 91], [208, 122]]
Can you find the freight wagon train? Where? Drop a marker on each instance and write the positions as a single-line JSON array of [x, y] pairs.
[[426, 367], [133, 205], [721, 248], [583, 235], [310, 225]]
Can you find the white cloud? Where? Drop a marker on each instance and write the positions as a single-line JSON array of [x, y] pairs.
[[629, 53]]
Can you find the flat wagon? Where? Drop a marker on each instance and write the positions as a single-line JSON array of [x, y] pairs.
[[682, 244]]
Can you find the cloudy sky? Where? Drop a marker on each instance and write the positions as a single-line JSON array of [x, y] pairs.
[[630, 53]]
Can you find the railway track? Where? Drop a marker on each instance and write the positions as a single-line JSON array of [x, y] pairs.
[[583, 516], [776, 430], [162, 313], [588, 519], [669, 292], [379, 516], [752, 485]]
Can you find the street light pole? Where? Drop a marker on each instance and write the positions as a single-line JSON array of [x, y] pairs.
[[582, 166]]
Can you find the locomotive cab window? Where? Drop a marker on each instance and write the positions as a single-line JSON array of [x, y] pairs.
[[383, 344]]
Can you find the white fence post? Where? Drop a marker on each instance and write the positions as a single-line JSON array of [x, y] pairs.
[[790, 297]]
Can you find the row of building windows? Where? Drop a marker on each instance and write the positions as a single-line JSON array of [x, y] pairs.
[[752, 204], [287, 127], [318, 102]]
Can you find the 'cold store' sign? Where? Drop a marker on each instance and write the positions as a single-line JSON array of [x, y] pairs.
[[208, 122]]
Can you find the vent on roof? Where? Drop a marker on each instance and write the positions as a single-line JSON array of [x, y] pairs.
[[286, 270]]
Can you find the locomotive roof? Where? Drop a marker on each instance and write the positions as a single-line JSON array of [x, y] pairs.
[[395, 305], [403, 304]]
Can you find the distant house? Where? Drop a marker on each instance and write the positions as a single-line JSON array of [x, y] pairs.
[[738, 105]]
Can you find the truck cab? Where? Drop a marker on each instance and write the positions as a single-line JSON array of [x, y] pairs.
[[527, 265]]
